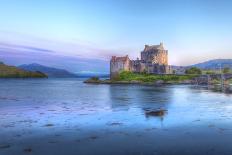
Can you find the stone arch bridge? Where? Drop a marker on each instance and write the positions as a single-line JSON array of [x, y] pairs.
[[208, 79]]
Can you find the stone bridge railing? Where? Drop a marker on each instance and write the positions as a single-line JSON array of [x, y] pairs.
[[219, 76], [208, 79]]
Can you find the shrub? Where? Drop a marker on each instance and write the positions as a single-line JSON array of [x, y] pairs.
[[94, 78], [193, 70], [143, 77], [226, 70], [210, 72]]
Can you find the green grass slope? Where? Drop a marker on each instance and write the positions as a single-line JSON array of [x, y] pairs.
[[129, 76], [14, 72]]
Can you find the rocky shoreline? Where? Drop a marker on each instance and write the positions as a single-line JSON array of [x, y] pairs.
[[159, 82], [195, 81]]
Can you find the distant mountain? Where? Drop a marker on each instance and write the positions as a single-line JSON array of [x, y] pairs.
[[49, 71], [14, 72], [215, 64]]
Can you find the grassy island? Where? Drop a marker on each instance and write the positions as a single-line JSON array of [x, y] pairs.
[[14, 72], [126, 77]]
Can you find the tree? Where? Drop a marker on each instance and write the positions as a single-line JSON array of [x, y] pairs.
[[226, 70], [193, 70], [210, 72]]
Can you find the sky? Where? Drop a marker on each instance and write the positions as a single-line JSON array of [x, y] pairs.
[[82, 35]]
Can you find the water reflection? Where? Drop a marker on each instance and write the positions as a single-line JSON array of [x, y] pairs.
[[155, 113], [226, 89], [68, 117], [143, 97]]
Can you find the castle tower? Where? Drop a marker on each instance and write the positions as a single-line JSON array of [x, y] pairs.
[[155, 54], [118, 64]]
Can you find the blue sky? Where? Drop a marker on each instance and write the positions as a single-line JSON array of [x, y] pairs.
[[82, 35]]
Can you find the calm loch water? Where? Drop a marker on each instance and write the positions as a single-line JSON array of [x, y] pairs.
[[68, 117]]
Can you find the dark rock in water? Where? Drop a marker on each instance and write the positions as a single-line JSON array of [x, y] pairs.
[[53, 142], [115, 124], [93, 80], [28, 150], [4, 146], [49, 125], [159, 82], [93, 137], [186, 82], [156, 113]]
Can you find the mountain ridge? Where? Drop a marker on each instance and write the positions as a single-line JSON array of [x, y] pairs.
[[49, 71], [7, 71], [214, 64]]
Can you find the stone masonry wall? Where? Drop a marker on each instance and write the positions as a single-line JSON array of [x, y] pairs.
[[118, 64]]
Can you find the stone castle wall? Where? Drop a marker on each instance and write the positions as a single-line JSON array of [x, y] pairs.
[[155, 55], [118, 64], [154, 60], [138, 66]]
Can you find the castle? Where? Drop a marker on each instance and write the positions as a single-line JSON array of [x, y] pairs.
[[154, 60]]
